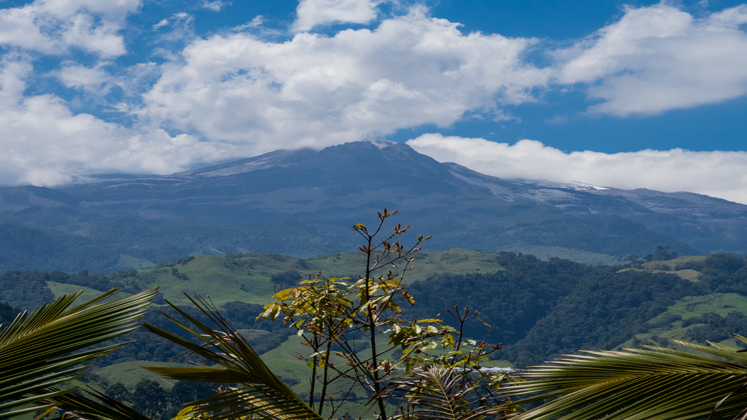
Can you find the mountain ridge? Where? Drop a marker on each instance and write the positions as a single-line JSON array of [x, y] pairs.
[[302, 202]]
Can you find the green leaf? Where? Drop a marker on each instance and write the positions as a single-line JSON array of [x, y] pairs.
[[260, 392], [46, 348], [657, 383]]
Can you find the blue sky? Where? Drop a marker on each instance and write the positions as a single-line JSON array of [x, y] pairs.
[[612, 93]]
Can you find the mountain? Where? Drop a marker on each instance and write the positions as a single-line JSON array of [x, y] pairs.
[[302, 203]]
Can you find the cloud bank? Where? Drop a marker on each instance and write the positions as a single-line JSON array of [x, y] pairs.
[[718, 174], [46, 144]]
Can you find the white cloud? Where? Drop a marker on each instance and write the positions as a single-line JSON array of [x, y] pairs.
[[254, 23], [718, 174], [112, 9], [216, 5], [315, 90], [161, 24], [55, 26], [181, 21], [91, 79], [45, 144], [312, 13], [660, 58]]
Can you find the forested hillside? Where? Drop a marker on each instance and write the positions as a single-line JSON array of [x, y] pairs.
[[536, 308]]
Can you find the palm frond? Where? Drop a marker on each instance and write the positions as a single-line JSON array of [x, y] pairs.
[[41, 350], [93, 406], [439, 394], [259, 393], [656, 383]]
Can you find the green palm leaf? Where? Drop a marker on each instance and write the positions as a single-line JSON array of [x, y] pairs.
[[657, 383], [260, 392], [41, 350], [438, 394], [94, 406]]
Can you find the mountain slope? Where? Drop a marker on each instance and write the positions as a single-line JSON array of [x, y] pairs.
[[302, 202]]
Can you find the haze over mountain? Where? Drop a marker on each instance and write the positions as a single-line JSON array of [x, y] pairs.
[[302, 203]]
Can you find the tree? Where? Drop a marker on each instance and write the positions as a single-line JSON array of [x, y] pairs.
[[635, 260], [663, 255], [334, 316], [119, 392], [263, 395], [149, 398]]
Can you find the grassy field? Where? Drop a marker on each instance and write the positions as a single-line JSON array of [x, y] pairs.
[[720, 303], [578, 255], [672, 264], [669, 267], [686, 274], [60, 289], [689, 307], [130, 373], [246, 277]]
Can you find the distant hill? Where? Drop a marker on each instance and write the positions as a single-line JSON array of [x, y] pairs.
[[301, 203], [537, 309]]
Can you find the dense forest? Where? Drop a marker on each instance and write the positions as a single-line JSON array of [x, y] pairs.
[[7, 313], [538, 309]]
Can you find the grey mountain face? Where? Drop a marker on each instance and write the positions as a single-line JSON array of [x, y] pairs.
[[303, 202]]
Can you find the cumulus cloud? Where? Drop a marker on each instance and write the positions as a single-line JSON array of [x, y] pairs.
[[659, 58], [315, 90], [55, 26], [312, 13], [718, 174], [45, 144], [91, 79]]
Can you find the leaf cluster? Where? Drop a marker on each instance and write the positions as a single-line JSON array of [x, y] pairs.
[[653, 383], [51, 345]]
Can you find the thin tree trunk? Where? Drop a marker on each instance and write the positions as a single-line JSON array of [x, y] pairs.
[[372, 330], [324, 382], [313, 373]]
